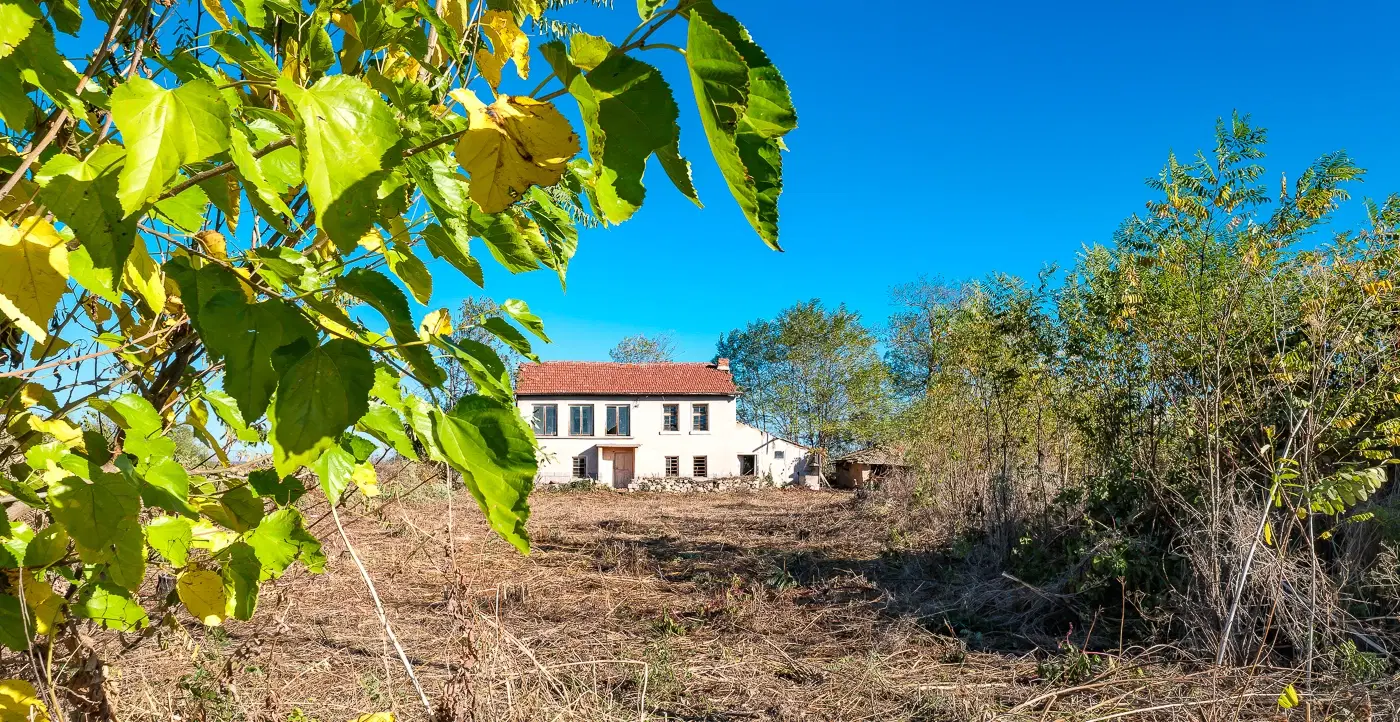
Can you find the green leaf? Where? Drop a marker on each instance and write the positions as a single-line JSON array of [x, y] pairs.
[[384, 424], [411, 271], [17, 19], [454, 249], [37, 62], [226, 408], [647, 8], [280, 539], [242, 571], [419, 415], [164, 129], [375, 289], [348, 138], [518, 310], [170, 536], [145, 437], [83, 194], [319, 396], [166, 485], [333, 470], [254, 335], [127, 564], [238, 509], [503, 238], [386, 387], [184, 211], [92, 512], [557, 227], [26, 548], [251, 172], [14, 633], [483, 366], [488, 443], [502, 330], [110, 606], [745, 108], [282, 266], [635, 116], [282, 490]]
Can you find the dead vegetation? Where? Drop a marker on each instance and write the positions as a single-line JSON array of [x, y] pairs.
[[774, 605]]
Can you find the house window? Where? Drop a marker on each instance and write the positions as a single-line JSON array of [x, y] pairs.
[[581, 420], [700, 467], [580, 467], [673, 466], [779, 455], [699, 417], [619, 420], [670, 417], [748, 465], [546, 420]]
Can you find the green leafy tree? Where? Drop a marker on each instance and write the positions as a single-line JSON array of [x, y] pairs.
[[233, 225], [812, 375], [644, 349]]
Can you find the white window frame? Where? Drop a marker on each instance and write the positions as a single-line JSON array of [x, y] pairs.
[[617, 412], [589, 407], [706, 416], [540, 422]]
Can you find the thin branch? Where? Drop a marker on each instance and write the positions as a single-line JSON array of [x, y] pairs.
[[383, 617]]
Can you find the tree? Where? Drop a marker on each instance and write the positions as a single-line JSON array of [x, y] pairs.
[[811, 375], [230, 224], [641, 348]]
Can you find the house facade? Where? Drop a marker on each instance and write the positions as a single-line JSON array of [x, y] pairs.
[[618, 423]]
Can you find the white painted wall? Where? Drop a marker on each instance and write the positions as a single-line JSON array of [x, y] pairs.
[[721, 445]]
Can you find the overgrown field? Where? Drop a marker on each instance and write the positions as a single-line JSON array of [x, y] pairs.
[[778, 605]]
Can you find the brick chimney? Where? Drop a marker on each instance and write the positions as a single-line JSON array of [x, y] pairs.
[[722, 364]]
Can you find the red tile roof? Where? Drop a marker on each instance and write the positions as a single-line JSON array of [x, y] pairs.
[[596, 378]]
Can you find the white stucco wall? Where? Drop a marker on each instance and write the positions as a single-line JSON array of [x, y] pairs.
[[722, 445]]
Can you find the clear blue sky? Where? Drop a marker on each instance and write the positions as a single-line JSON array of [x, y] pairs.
[[957, 139]]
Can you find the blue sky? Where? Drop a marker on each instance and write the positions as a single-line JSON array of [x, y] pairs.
[[957, 139]]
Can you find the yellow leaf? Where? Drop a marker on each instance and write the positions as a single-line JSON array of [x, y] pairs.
[[399, 65], [33, 274], [213, 244], [512, 144], [204, 535], [1268, 534], [32, 394], [457, 13], [1288, 699], [144, 277], [45, 607], [20, 703], [437, 323], [365, 479], [215, 8], [508, 42], [54, 347], [203, 594]]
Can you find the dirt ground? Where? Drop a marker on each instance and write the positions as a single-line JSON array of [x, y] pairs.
[[775, 605]]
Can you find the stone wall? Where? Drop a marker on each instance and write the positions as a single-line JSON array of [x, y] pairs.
[[688, 484]]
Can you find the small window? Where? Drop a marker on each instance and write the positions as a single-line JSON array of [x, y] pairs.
[[581, 420], [619, 421], [580, 467], [673, 466], [699, 417], [748, 465], [700, 467], [545, 420], [670, 417], [779, 455]]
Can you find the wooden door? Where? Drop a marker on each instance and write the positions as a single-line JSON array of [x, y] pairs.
[[623, 460]]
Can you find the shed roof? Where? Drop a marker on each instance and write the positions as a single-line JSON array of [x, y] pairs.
[[602, 378], [875, 455]]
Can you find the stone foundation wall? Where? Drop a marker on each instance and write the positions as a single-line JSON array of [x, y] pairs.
[[688, 484]]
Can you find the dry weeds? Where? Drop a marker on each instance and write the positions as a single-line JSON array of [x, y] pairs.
[[777, 605]]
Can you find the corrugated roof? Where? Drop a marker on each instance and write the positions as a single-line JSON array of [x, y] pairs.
[[594, 378]]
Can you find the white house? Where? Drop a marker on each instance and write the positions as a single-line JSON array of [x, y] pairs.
[[615, 422]]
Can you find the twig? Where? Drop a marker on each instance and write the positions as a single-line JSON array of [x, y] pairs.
[[1178, 705], [383, 617]]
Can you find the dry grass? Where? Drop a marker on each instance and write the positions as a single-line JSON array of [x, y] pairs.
[[776, 605]]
